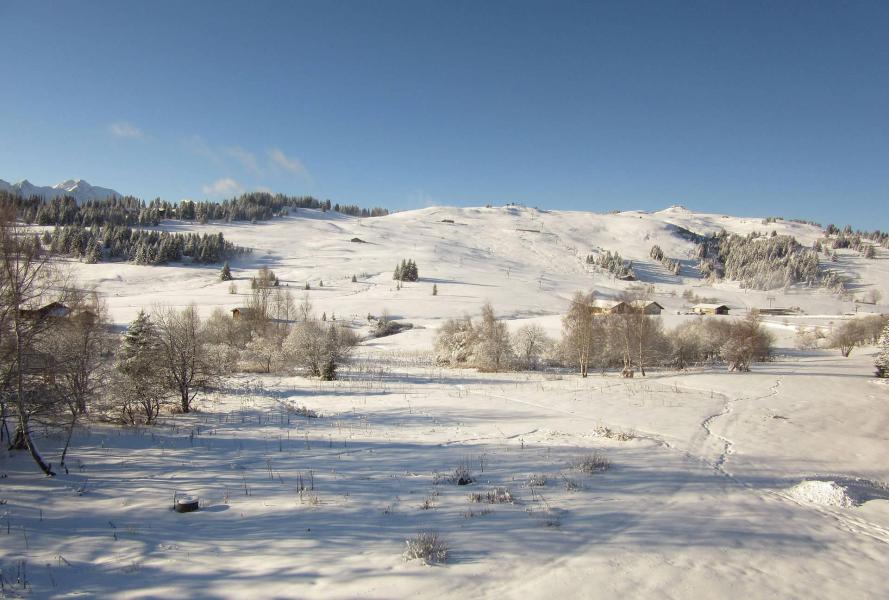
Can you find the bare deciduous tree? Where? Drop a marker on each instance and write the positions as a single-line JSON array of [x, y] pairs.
[[79, 347], [747, 341], [581, 332], [182, 359], [26, 280], [316, 347]]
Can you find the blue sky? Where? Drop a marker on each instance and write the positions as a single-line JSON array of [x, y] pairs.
[[760, 108]]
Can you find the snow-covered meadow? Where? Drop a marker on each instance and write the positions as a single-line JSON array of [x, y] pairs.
[[718, 484]]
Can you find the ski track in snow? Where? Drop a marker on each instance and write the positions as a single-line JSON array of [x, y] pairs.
[[840, 517]]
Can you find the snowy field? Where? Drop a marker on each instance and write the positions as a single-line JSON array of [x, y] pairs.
[[720, 485]]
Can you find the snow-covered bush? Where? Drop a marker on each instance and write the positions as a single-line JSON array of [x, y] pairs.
[[427, 546], [498, 495], [592, 463], [461, 475], [484, 345]]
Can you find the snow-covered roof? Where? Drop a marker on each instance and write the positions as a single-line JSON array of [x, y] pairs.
[[646, 303]]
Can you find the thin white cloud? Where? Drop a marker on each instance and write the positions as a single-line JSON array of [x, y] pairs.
[[197, 145], [291, 165], [421, 198], [124, 129], [223, 187], [247, 159]]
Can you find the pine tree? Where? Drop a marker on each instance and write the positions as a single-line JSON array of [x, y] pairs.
[[354, 279], [225, 274], [94, 252], [138, 342], [435, 289], [882, 360]]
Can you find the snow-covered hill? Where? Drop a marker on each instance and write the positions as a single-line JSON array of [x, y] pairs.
[[527, 262], [722, 485], [78, 188]]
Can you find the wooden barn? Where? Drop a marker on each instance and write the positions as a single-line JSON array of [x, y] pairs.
[[609, 307], [243, 312], [649, 307], [710, 309]]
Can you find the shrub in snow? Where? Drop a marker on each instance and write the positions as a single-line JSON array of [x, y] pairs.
[[427, 546], [592, 463], [303, 411], [536, 480], [572, 485], [613, 434], [499, 495], [461, 475]]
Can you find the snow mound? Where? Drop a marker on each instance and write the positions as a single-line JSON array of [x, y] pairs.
[[825, 493]]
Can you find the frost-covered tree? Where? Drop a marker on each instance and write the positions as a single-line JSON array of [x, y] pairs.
[[225, 274], [319, 348], [881, 362], [456, 342], [494, 349], [614, 264], [139, 390], [764, 263], [530, 343]]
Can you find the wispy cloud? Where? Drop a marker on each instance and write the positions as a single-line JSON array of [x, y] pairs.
[[199, 146], [291, 165], [124, 129], [420, 198], [223, 187], [247, 159]]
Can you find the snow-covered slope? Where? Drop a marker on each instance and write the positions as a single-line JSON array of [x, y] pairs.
[[78, 188], [722, 485], [527, 262]]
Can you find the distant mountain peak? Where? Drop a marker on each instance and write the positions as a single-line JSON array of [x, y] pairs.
[[80, 189]]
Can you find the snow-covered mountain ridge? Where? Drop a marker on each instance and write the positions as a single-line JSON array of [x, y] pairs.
[[78, 188]]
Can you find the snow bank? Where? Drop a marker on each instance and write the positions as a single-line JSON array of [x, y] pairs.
[[825, 493]]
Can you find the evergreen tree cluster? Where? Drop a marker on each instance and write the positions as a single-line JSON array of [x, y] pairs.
[[614, 264], [856, 242], [847, 238], [764, 262], [671, 265], [95, 244], [406, 271], [127, 210]]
